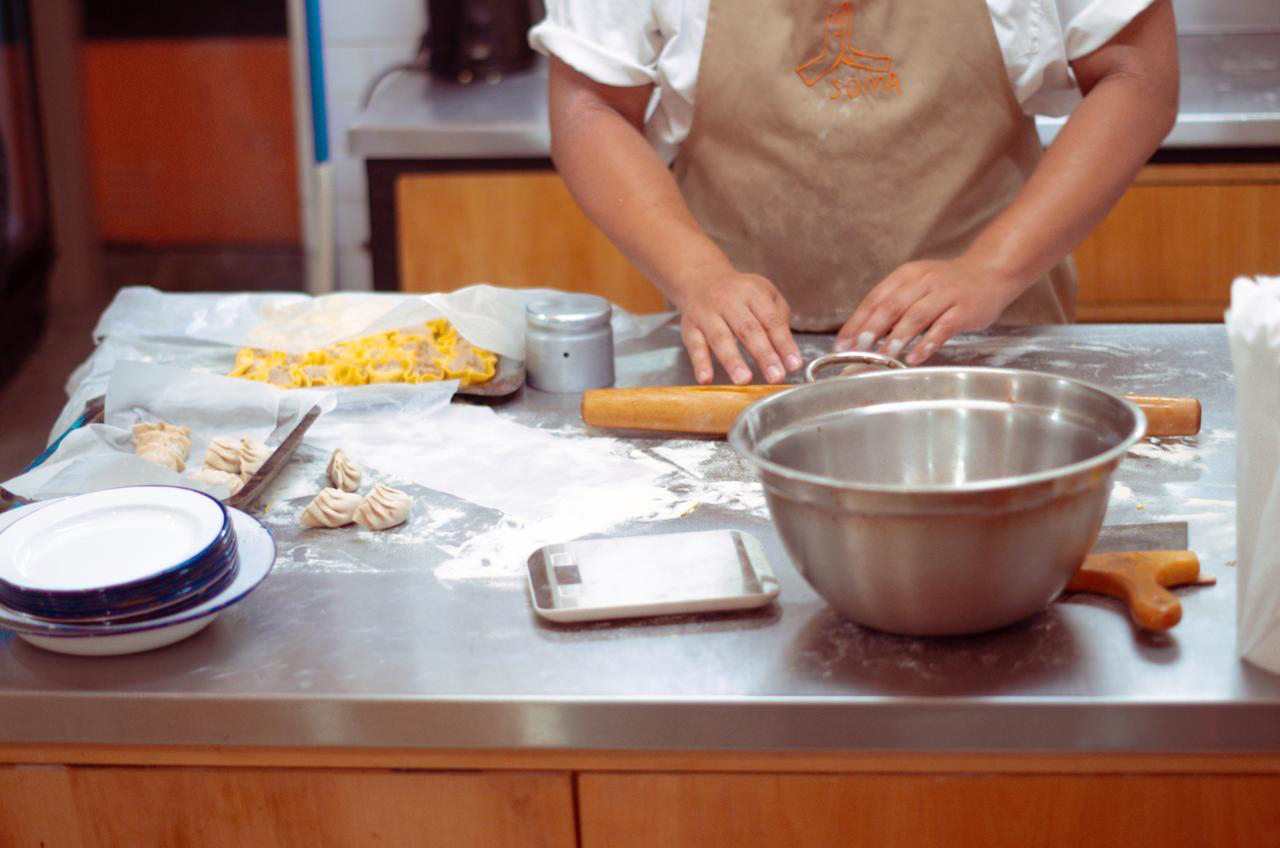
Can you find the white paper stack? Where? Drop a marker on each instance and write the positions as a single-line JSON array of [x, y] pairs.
[[1253, 327]]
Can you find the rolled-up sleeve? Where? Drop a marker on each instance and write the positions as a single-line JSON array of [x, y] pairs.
[[1041, 39], [1089, 24], [613, 43]]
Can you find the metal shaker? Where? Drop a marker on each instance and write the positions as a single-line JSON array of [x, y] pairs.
[[569, 343]]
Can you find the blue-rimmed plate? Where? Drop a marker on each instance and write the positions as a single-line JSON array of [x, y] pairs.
[[112, 540], [257, 556], [186, 586]]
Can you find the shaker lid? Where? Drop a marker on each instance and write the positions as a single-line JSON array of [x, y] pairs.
[[569, 312]]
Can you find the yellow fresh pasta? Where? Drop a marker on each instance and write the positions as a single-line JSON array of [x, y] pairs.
[[433, 351]]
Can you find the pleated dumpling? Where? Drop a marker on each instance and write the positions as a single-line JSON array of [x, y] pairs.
[[343, 473], [383, 508], [154, 446], [330, 508], [162, 443], [214, 477], [223, 454], [171, 439], [253, 454], [162, 456]]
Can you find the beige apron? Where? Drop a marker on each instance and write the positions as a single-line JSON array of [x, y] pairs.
[[834, 141]]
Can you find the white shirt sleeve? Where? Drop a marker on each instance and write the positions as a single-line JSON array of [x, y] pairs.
[[613, 43], [659, 42], [1040, 39]]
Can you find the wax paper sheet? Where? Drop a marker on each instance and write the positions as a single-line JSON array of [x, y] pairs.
[[101, 455], [164, 355], [488, 316], [202, 331]]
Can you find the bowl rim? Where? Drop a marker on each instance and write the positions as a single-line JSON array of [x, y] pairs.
[[738, 438], [251, 573]]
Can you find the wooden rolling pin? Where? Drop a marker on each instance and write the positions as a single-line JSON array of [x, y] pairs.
[[1142, 579], [711, 410]]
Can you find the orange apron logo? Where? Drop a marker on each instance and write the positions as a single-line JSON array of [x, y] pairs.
[[839, 57]]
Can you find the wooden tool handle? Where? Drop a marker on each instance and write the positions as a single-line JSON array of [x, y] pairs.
[[1169, 416], [711, 410], [1140, 578]]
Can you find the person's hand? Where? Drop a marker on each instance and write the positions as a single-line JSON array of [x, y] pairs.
[[730, 307], [931, 300]]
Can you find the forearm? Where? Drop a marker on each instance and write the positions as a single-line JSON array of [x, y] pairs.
[[1131, 101], [598, 146], [630, 194], [1091, 163]]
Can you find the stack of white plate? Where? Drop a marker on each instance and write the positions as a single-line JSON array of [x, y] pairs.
[[125, 570]]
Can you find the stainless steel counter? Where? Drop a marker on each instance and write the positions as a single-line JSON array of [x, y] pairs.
[[1230, 98], [389, 653]]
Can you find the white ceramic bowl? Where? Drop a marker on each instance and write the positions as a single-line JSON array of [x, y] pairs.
[[257, 556]]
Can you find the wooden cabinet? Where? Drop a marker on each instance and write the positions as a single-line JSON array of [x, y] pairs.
[[90, 796], [1168, 251], [1173, 244], [925, 811], [512, 229], [87, 807]]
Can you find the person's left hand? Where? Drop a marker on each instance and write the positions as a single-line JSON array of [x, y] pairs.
[[931, 299]]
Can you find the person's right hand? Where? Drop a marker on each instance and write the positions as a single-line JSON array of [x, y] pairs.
[[730, 307]]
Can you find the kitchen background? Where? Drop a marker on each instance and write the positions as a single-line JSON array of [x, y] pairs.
[[172, 144]]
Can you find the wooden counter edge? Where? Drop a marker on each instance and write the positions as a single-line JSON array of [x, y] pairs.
[[649, 761]]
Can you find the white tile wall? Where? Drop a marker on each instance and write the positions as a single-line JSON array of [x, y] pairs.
[[361, 37], [351, 227], [349, 182]]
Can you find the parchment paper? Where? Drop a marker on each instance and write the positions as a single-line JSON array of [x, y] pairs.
[[201, 332], [488, 316], [163, 356], [101, 456]]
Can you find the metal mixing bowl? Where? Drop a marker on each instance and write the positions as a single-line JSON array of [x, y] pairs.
[[938, 501]]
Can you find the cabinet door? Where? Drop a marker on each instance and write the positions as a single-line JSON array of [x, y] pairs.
[[511, 229], [87, 807], [1176, 240], [926, 811]]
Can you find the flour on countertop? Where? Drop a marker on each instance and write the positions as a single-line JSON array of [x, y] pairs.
[[688, 474], [1176, 451], [549, 486], [1120, 494], [1184, 450], [480, 514]]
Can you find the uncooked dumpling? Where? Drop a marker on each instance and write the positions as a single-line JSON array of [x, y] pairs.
[[223, 455], [252, 454], [382, 508], [214, 477], [160, 427], [161, 455], [172, 439], [344, 473], [162, 443], [174, 444], [331, 508]]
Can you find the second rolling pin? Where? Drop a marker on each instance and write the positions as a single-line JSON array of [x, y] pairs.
[[711, 410]]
